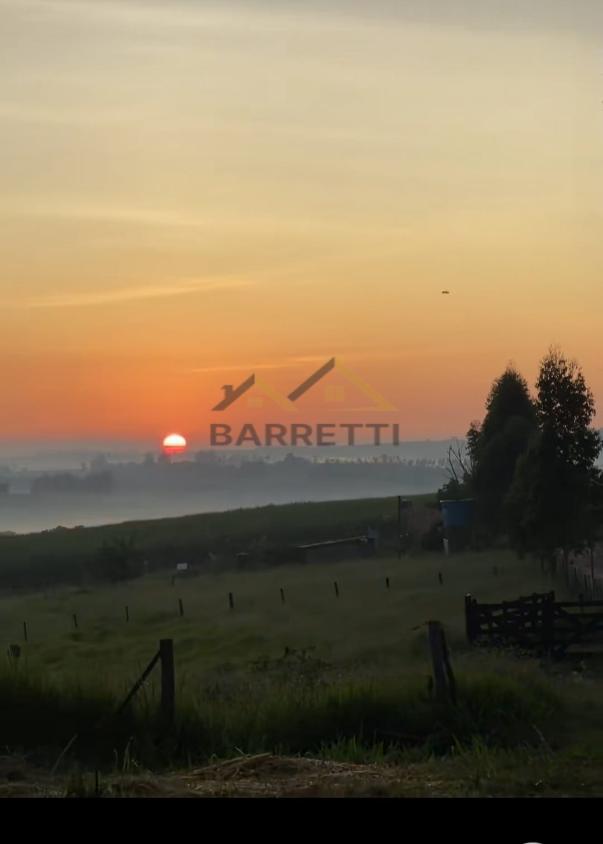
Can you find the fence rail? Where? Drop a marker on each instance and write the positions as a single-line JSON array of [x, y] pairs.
[[535, 622]]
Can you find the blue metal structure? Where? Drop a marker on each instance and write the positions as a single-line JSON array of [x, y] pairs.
[[457, 514]]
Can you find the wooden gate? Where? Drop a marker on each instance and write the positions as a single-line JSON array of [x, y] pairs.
[[535, 622]]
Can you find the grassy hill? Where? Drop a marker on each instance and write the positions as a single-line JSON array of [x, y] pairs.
[[66, 555]]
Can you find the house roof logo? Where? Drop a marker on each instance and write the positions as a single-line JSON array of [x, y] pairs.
[[232, 394]]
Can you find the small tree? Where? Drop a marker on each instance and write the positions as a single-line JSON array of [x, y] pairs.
[[460, 471]]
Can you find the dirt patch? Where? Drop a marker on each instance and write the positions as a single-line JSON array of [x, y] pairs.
[[19, 778], [266, 775]]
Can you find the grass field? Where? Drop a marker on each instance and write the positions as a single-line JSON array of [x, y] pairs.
[[354, 659], [367, 628], [342, 678]]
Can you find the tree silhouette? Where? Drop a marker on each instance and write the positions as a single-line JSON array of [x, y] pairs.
[[556, 493], [493, 449]]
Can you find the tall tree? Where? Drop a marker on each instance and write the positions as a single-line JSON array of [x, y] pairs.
[[509, 398], [555, 496], [566, 407], [497, 445]]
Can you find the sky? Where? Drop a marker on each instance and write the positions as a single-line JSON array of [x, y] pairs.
[[194, 191]]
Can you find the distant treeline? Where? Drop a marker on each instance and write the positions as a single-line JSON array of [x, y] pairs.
[[155, 476], [66, 483]]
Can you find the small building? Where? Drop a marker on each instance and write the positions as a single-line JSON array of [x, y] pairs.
[[337, 549], [185, 570]]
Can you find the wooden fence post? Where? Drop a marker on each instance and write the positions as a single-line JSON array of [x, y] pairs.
[[180, 607], [387, 582], [441, 578], [231, 600], [449, 672], [75, 620], [336, 587], [25, 630], [168, 680], [469, 625], [282, 595], [399, 527], [127, 613], [548, 622], [444, 685]]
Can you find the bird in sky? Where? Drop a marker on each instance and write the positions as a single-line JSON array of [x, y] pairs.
[[445, 292]]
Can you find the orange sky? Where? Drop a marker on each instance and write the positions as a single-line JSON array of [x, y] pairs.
[[193, 191]]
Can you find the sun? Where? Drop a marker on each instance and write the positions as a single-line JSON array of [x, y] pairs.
[[174, 444]]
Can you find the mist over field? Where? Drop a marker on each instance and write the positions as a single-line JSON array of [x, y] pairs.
[[88, 484]]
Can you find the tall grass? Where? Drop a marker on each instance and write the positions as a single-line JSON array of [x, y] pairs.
[[352, 683], [284, 714]]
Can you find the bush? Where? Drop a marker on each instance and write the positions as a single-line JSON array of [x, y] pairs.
[[118, 560]]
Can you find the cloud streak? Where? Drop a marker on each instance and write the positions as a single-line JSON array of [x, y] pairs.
[[295, 361], [515, 16], [288, 363], [55, 116], [127, 294]]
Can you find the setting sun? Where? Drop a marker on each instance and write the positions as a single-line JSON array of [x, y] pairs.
[[174, 444]]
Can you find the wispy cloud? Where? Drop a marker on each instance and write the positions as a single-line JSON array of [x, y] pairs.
[[240, 15], [59, 208], [63, 116], [294, 361], [127, 294], [514, 16], [287, 363]]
